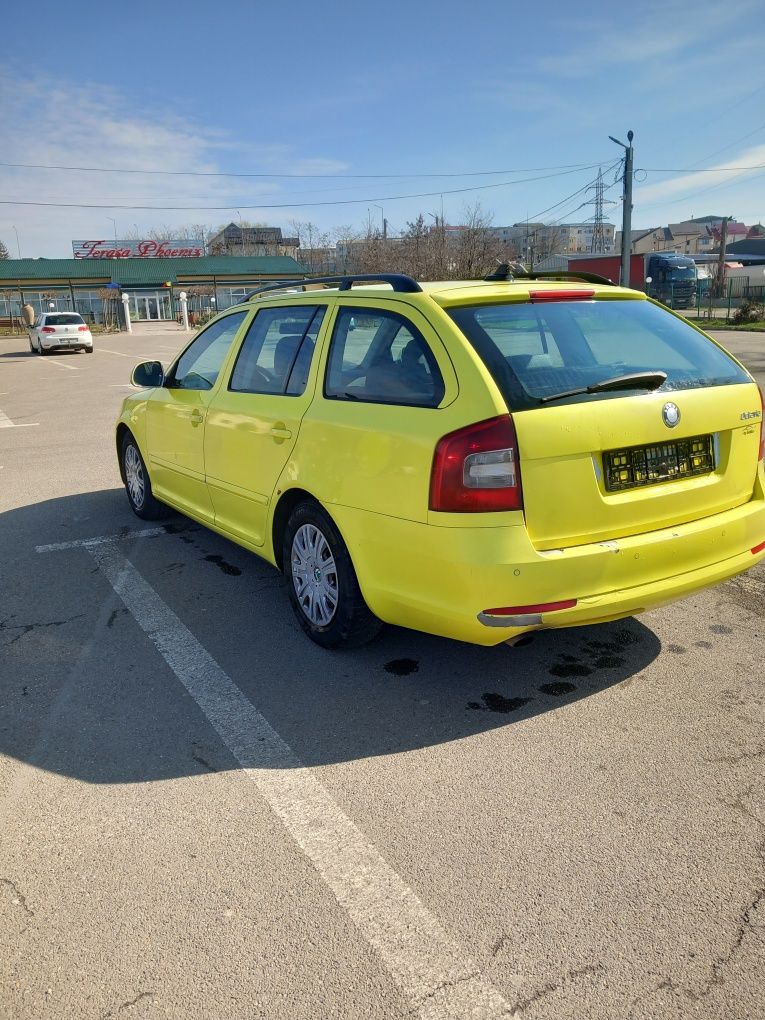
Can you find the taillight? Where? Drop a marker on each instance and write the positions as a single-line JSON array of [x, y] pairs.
[[82, 329], [762, 426], [48, 329], [477, 469]]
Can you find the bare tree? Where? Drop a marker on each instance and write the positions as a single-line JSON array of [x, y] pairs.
[[313, 245], [416, 244], [3, 252], [192, 231]]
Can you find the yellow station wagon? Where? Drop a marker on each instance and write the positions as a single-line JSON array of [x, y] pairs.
[[472, 459]]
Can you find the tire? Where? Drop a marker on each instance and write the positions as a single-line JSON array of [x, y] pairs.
[[88, 350], [138, 484], [40, 349], [321, 581]]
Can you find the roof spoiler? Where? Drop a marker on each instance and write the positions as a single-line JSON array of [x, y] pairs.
[[507, 271]]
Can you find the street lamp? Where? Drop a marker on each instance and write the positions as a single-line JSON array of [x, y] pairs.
[[624, 276], [114, 222], [18, 246], [382, 216]]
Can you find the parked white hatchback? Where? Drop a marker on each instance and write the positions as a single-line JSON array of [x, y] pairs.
[[60, 331]]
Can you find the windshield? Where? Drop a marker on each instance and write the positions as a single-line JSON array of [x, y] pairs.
[[682, 274], [538, 350]]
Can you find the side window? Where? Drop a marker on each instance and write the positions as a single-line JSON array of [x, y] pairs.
[[380, 357], [276, 354], [198, 366]]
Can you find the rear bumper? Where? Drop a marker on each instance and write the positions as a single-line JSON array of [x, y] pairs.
[[442, 579], [75, 345]]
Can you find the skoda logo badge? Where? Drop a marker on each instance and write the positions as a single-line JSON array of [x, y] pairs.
[[671, 414]]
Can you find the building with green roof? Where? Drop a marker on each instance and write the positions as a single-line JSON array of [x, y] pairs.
[[88, 285]]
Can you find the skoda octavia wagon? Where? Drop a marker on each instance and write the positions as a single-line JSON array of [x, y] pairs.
[[471, 459]]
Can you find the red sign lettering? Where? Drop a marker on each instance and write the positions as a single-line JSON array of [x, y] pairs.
[[147, 249]]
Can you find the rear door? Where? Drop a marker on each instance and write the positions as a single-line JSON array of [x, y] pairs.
[[368, 438], [601, 466]]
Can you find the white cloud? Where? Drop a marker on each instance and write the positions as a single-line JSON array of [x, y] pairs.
[[655, 35], [718, 178], [46, 122]]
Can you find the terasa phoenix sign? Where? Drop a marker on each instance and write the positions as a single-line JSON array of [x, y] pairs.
[[184, 248]]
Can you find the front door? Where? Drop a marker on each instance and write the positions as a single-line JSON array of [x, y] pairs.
[[176, 414], [151, 306], [253, 422]]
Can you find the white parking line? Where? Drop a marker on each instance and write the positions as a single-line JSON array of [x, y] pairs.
[[439, 981], [105, 350], [6, 423], [86, 543], [56, 364]]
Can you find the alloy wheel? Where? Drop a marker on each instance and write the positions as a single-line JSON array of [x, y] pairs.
[[314, 575], [134, 478]]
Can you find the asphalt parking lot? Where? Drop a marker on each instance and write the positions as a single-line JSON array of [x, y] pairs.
[[206, 816]]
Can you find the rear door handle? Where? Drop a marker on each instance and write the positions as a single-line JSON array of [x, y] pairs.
[[196, 417], [280, 431]]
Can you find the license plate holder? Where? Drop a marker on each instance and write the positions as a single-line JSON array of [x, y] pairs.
[[635, 466]]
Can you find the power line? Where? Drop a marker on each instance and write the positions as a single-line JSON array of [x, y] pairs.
[[705, 170], [730, 145], [574, 194], [259, 174], [290, 205], [702, 191], [386, 176]]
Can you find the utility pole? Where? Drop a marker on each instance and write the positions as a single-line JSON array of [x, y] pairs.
[[629, 156], [721, 259]]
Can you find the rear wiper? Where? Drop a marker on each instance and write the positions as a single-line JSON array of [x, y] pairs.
[[633, 381]]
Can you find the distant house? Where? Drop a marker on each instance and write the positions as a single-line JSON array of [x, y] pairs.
[[236, 240], [691, 237], [735, 232]]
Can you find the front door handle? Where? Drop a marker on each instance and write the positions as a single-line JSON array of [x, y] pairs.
[[196, 417], [280, 431]]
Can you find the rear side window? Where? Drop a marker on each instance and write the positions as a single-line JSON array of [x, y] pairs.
[[536, 351], [380, 357], [277, 351], [64, 319]]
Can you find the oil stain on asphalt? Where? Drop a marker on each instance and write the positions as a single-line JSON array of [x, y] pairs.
[[401, 667], [227, 568], [498, 703], [557, 690]]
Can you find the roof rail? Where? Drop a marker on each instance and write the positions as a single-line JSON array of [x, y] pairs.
[[399, 282], [506, 271]]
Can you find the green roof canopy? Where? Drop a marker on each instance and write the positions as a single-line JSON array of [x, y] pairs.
[[148, 272]]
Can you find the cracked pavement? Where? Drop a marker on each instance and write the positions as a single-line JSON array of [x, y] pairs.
[[584, 814]]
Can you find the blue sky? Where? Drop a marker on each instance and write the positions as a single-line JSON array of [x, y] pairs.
[[400, 89]]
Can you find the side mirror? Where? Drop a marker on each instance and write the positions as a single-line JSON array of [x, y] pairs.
[[148, 373]]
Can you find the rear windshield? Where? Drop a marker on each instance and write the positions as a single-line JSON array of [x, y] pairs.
[[64, 319], [537, 350]]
